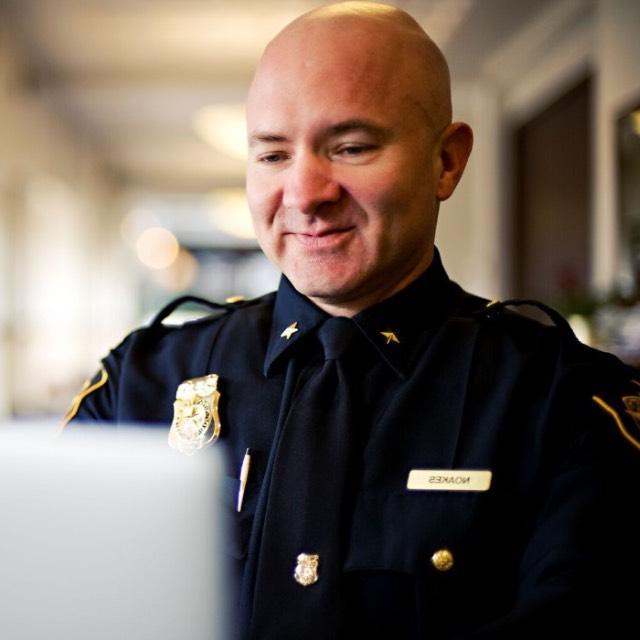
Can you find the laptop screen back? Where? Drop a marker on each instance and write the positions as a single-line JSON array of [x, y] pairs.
[[108, 534]]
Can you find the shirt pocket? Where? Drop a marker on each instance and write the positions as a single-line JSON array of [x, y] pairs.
[[428, 551], [402, 531]]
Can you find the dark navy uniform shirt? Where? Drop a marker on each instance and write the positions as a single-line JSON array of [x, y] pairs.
[[445, 384]]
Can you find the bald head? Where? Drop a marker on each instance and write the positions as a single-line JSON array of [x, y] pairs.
[[351, 151], [367, 38]]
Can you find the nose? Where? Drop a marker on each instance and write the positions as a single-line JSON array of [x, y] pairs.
[[309, 184]]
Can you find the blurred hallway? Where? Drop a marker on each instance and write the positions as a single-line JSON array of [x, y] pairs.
[[122, 164]]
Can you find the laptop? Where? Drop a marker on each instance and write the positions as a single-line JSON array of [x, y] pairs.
[[108, 534]]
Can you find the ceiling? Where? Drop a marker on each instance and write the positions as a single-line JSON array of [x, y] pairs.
[[129, 75]]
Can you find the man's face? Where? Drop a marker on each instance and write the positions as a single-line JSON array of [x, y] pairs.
[[342, 175]]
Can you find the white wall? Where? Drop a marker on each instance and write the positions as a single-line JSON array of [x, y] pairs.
[[470, 227]]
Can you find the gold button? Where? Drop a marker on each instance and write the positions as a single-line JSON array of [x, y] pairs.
[[234, 299], [442, 560]]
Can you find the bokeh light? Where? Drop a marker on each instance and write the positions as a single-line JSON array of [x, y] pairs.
[[157, 248]]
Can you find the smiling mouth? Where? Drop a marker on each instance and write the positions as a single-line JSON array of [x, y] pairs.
[[325, 238]]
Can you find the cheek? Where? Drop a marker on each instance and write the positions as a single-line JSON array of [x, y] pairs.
[[385, 203], [377, 195], [262, 198], [399, 212]]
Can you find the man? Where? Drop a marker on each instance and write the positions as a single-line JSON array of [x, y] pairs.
[[405, 459]]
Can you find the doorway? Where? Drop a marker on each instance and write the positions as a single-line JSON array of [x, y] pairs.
[[553, 201]]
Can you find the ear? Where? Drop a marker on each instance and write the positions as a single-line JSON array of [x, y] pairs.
[[455, 146]]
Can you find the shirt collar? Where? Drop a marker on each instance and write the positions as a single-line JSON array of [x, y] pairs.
[[294, 318], [397, 327]]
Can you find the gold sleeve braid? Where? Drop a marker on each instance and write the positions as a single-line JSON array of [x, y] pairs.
[[631, 409], [87, 388]]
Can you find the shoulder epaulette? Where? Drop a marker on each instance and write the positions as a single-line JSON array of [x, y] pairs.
[[166, 311], [496, 308]]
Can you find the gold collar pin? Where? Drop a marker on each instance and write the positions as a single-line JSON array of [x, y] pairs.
[[289, 331], [390, 337]]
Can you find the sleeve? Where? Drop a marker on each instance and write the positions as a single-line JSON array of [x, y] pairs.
[[97, 400], [578, 575], [137, 381]]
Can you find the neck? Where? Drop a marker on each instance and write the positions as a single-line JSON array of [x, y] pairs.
[[353, 305]]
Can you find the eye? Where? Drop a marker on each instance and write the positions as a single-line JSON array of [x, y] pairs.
[[354, 150], [351, 150], [272, 157]]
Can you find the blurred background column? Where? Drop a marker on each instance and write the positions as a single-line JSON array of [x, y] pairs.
[[57, 231]]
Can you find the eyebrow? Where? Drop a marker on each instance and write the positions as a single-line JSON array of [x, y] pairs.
[[354, 124], [259, 136], [358, 124]]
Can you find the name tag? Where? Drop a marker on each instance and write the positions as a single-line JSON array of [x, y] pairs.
[[448, 480]]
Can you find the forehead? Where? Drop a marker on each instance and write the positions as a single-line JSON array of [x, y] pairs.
[[330, 77]]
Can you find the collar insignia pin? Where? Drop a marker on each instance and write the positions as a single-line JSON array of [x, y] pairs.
[[306, 572], [196, 422], [390, 337], [290, 330]]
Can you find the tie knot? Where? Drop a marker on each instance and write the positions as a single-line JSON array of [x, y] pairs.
[[336, 335]]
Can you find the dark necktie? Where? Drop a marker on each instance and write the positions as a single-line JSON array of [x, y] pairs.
[[297, 590]]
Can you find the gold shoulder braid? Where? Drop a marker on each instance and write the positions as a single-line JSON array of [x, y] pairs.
[[629, 405], [87, 388], [196, 422]]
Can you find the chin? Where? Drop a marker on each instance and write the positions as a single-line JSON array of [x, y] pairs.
[[333, 278], [328, 288], [312, 288]]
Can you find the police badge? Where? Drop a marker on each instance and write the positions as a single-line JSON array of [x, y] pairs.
[[196, 422], [306, 572]]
